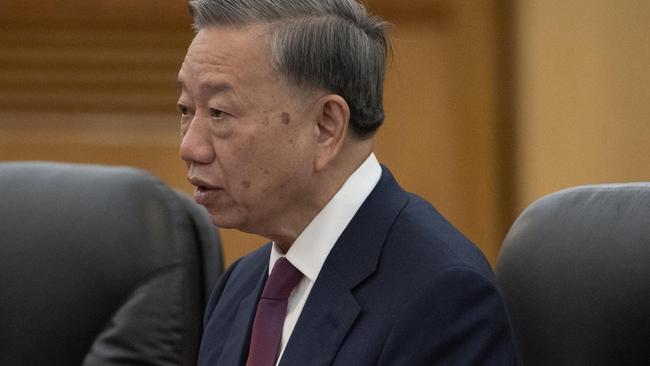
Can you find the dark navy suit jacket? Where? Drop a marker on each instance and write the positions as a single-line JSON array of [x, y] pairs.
[[400, 287]]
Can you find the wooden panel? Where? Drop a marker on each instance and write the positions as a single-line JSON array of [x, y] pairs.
[[94, 13], [80, 70], [413, 10]]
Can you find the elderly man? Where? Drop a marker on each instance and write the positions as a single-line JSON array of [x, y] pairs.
[[280, 102]]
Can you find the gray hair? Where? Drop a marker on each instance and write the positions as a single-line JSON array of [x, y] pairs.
[[330, 44]]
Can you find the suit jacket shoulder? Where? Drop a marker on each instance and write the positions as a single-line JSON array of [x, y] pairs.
[[422, 233], [447, 308]]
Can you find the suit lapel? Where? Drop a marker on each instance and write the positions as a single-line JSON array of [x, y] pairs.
[[331, 309], [322, 325], [235, 350]]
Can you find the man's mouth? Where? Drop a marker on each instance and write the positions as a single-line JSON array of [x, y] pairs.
[[203, 191], [202, 195]]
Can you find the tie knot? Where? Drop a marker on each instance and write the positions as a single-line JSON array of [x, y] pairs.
[[284, 277]]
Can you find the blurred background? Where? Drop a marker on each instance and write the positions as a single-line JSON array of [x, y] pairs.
[[490, 104]]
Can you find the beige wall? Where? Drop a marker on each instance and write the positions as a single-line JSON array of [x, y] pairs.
[[584, 101], [94, 81]]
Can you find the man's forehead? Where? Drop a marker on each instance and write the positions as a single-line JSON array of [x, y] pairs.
[[247, 38]]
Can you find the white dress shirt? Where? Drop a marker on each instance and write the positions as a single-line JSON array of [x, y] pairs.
[[313, 245]]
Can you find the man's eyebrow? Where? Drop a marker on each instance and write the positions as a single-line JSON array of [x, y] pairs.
[[209, 85], [215, 86]]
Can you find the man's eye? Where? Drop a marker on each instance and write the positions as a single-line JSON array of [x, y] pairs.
[[184, 111], [217, 114]]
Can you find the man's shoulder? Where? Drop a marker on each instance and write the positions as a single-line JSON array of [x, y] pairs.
[[243, 275], [430, 285], [417, 233], [251, 266], [431, 242]]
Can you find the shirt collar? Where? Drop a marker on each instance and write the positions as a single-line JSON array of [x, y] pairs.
[[313, 245]]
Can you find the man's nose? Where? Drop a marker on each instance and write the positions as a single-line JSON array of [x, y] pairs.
[[195, 144]]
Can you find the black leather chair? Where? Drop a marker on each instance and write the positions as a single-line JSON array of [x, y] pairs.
[[575, 271], [100, 266]]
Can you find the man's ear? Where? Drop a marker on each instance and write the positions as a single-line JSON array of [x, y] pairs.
[[332, 125]]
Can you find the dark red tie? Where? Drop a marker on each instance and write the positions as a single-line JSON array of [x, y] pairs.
[[271, 311]]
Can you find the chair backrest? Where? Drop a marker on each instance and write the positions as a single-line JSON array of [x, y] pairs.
[[100, 266], [575, 272]]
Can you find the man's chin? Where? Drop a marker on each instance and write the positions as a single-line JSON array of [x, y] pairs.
[[225, 222]]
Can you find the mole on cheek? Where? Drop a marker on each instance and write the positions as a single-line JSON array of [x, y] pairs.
[[286, 118], [246, 184]]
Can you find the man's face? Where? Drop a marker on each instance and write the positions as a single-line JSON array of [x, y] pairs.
[[248, 139]]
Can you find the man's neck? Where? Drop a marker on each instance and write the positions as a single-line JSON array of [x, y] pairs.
[[328, 183]]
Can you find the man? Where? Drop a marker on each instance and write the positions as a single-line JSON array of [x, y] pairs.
[[280, 102]]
